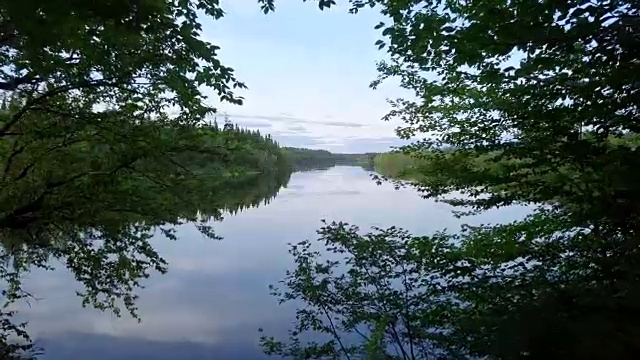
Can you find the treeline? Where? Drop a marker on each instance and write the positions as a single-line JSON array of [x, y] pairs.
[[395, 164], [304, 159], [437, 164], [244, 149]]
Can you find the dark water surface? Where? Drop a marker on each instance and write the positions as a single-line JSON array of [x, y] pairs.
[[215, 296]]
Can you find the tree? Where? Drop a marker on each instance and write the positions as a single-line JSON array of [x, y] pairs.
[[148, 53], [375, 297], [546, 94], [103, 143]]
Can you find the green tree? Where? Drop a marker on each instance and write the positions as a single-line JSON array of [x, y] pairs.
[[148, 53], [372, 296], [526, 102], [103, 139], [395, 164]]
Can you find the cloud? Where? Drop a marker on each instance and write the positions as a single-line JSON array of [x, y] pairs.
[[298, 120], [254, 124], [298, 140], [364, 144], [294, 131], [297, 128]]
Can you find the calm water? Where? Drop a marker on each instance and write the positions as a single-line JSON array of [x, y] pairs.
[[215, 296]]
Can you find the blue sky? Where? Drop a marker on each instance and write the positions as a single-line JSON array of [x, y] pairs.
[[308, 73]]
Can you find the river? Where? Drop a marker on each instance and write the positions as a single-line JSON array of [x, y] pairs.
[[215, 296]]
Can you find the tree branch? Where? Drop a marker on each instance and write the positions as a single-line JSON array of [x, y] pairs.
[[65, 142], [12, 220], [59, 90], [13, 84], [334, 330], [14, 152], [405, 312], [391, 325]]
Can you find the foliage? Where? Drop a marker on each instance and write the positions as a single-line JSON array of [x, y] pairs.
[[529, 93], [15, 343], [103, 139], [439, 168], [94, 203], [147, 54], [375, 296], [517, 290], [526, 102], [395, 164]]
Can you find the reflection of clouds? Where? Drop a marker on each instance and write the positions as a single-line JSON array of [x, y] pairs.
[[183, 305], [322, 193], [217, 291], [104, 347]]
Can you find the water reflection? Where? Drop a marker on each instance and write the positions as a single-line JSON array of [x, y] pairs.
[[215, 296], [252, 191]]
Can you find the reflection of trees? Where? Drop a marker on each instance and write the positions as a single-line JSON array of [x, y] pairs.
[[312, 167], [110, 259], [251, 191]]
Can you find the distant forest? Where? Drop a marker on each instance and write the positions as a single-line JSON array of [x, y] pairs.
[[306, 159], [439, 163]]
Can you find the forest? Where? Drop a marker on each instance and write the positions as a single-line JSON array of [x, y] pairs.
[[303, 159], [104, 140]]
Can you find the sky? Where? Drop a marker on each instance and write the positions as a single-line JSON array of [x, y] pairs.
[[308, 73]]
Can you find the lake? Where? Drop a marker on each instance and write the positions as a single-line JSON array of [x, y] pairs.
[[215, 296]]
